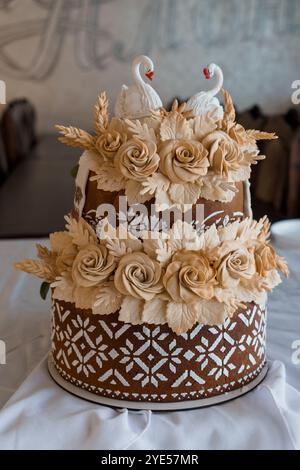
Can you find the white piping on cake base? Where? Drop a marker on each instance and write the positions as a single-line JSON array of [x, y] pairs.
[[154, 406]]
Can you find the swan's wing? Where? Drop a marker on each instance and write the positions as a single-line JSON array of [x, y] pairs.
[[120, 103], [216, 109], [133, 102], [210, 105], [202, 103], [154, 101], [195, 100]]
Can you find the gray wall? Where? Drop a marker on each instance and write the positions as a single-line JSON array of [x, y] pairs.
[[60, 53]]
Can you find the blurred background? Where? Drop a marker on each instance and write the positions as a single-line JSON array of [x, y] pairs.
[[56, 55]]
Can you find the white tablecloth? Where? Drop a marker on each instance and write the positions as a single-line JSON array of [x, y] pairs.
[[41, 415]]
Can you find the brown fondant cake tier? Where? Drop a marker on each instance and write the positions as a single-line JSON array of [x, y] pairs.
[[150, 363], [214, 211]]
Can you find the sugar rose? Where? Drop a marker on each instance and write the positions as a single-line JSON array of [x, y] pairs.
[[92, 265], [265, 258], [109, 143], [224, 152], [183, 160], [65, 258], [189, 277], [138, 276], [237, 132], [137, 159], [64, 251], [236, 265]]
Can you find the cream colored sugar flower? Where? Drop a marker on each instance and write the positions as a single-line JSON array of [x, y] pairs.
[[65, 259], [236, 265], [109, 143], [267, 259], [183, 160], [224, 153], [138, 276], [92, 265], [239, 134], [189, 277], [64, 251], [137, 159]]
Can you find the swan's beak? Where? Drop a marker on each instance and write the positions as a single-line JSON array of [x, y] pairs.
[[206, 73], [149, 74]]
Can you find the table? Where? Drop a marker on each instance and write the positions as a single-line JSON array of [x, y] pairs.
[[39, 414]]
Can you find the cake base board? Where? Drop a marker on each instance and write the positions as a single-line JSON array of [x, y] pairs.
[[139, 405]]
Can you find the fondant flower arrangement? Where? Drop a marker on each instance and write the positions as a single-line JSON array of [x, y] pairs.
[[179, 279], [172, 156]]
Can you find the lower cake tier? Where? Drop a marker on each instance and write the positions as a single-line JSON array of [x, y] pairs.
[[151, 364]]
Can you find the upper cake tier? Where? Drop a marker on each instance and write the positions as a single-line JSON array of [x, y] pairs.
[[92, 200], [194, 151]]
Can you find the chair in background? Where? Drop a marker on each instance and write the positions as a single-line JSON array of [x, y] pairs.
[[3, 162], [275, 182], [293, 193], [18, 131]]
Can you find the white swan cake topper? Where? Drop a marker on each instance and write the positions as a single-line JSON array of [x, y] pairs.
[[205, 101], [139, 99]]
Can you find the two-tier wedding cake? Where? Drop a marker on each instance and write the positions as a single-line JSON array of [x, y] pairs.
[[159, 281]]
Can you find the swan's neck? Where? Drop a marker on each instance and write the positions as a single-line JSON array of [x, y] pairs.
[[136, 76], [219, 81]]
